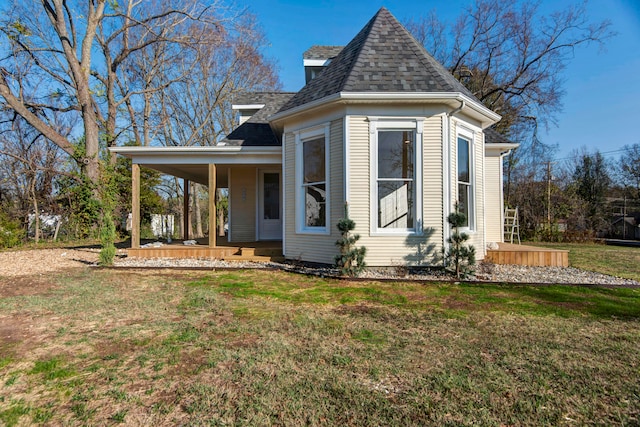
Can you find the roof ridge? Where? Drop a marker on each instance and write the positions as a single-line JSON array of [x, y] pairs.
[[427, 60], [364, 33], [368, 27]]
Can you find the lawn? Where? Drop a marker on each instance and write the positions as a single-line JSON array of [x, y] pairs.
[[274, 348], [614, 260]]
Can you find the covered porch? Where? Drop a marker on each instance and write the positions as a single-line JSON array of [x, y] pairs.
[[252, 176]]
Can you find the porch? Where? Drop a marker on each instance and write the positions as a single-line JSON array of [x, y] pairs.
[[252, 177], [508, 253], [260, 251]]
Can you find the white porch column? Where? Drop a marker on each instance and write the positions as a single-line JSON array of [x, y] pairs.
[[135, 206], [185, 211], [212, 205]]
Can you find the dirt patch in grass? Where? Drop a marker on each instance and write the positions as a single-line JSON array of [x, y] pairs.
[[24, 285]]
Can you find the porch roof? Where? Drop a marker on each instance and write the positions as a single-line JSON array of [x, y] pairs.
[[192, 162]]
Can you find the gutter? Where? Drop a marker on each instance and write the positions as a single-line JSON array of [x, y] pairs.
[[490, 117]]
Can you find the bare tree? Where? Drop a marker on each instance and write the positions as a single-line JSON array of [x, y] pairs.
[[628, 169], [28, 164], [59, 39], [197, 111], [511, 57]]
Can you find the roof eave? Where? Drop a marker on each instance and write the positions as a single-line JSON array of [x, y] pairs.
[[500, 148], [472, 107], [199, 154]]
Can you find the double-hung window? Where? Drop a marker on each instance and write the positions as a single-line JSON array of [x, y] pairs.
[[465, 178], [312, 180], [396, 176]]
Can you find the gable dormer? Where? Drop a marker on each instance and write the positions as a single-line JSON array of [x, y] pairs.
[[245, 111], [316, 58]]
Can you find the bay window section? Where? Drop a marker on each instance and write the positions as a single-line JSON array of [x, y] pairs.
[[312, 180], [465, 193], [396, 176], [314, 183]]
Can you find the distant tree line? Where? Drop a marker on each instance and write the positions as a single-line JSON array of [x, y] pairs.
[[584, 196]]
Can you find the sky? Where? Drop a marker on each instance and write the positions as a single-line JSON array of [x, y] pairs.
[[601, 85]]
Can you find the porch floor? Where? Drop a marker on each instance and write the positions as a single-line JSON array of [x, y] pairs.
[[230, 251], [508, 253]]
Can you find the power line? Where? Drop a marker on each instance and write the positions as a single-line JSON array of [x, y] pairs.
[[603, 153]]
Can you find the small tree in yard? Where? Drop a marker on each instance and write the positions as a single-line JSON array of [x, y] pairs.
[[350, 261], [108, 229], [460, 258]]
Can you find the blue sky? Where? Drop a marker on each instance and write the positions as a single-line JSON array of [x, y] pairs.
[[601, 86]]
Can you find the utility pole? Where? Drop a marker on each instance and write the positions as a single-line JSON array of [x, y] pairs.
[[624, 217], [549, 196]]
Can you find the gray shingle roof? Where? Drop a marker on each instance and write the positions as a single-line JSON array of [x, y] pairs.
[[322, 52], [256, 131], [491, 136], [382, 57]]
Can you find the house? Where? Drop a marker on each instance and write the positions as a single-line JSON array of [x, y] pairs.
[[626, 227], [380, 126]]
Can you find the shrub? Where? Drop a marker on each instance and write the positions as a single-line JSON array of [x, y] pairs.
[[350, 261], [460, 258], [108, 230], [11, 233], [107, 238]]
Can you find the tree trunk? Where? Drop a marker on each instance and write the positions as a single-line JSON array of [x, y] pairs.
[[36, 218], [55, 234], [180, 211]]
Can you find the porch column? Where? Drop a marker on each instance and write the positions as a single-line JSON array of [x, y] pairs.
[[135, 206], [185, 210], [212, 205]]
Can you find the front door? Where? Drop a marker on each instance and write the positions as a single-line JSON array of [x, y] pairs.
[[269, 206]]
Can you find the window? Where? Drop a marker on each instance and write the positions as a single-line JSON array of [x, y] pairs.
[[395, 175], [271, 195], [465, 187], [396, 190], [314, 183], [312, 178]]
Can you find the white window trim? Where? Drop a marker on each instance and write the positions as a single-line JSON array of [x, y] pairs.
[[390, 123], [300, 137], [469, 135]]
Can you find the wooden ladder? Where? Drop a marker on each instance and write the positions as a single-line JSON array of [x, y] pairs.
[[511, 225]]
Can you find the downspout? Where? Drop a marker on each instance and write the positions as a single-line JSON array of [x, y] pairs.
[[502, 155], [284, 195], [446, 203]]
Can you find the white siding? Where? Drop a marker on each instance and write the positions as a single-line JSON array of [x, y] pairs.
[[314, 247], [396, 250], [243, 204], [493, 211]]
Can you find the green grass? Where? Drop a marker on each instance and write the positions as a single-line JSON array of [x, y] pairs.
[[618, 261], [52, 369], [273, 348]]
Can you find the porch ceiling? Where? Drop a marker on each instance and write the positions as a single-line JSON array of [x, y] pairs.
[[194, 173], [192, 162]]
